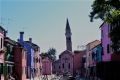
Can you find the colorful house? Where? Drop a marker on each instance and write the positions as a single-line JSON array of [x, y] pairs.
[[108, 54], [20, 57], [93, 56], [30, 56], [47, 66], [99, 53], [78, 63], [56, 67], [9, 56], [2, 36], [89, 46], [36, 58], [110, 65]]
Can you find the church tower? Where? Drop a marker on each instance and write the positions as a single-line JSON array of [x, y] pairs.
[[68, 36]]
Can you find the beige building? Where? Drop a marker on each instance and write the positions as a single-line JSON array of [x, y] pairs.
[[89, 46]]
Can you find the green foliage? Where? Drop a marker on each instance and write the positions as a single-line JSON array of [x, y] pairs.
[[51, 54], [109, 12], [106, 10]]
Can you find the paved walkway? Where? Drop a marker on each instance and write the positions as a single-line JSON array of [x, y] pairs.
[[41, 77]]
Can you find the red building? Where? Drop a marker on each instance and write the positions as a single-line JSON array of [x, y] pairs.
[[47, 66], [78, 61], [20, 60]]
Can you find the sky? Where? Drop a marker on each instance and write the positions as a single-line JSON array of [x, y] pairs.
[[45, 20]]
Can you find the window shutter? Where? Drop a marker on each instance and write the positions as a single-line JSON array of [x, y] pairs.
[[108, 50]]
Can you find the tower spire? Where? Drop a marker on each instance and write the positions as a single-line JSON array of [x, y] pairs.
[[68, 36], [67, 25]]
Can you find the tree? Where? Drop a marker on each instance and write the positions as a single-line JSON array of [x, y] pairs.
[[51, 54], [109, 12]]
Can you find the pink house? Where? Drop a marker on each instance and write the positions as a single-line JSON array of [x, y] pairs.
[[56, 67], [47, 66], [108, 55], [2, 35]]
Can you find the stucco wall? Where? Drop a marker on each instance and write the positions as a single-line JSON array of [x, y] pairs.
[[105, 41], [78, 63], [1, 54]]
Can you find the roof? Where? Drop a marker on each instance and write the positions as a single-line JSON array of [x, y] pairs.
[[96, 46], [92, 42], [11, 41], [33, 44], [67, 51], [77, 52], [2, 28]]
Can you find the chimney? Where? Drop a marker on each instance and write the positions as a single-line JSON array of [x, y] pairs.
[[30, 40], [21, 36], [18, 40]]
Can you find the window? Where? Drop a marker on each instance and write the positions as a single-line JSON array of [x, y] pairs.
[[23, 70], [20, 49], [63, 65], [39, 60], [36, 60], [108, 48], [59, 56], [93, 55], [69, 38], [69, 65], [1, 68], [102, 33], [1, 42]]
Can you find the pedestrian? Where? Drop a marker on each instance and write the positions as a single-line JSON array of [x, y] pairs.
[[9, 77]]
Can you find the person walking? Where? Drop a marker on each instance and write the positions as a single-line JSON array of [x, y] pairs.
[[9, 77]]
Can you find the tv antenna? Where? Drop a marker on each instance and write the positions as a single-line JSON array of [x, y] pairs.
[[1, 21], [24, 29], [8, 24]]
